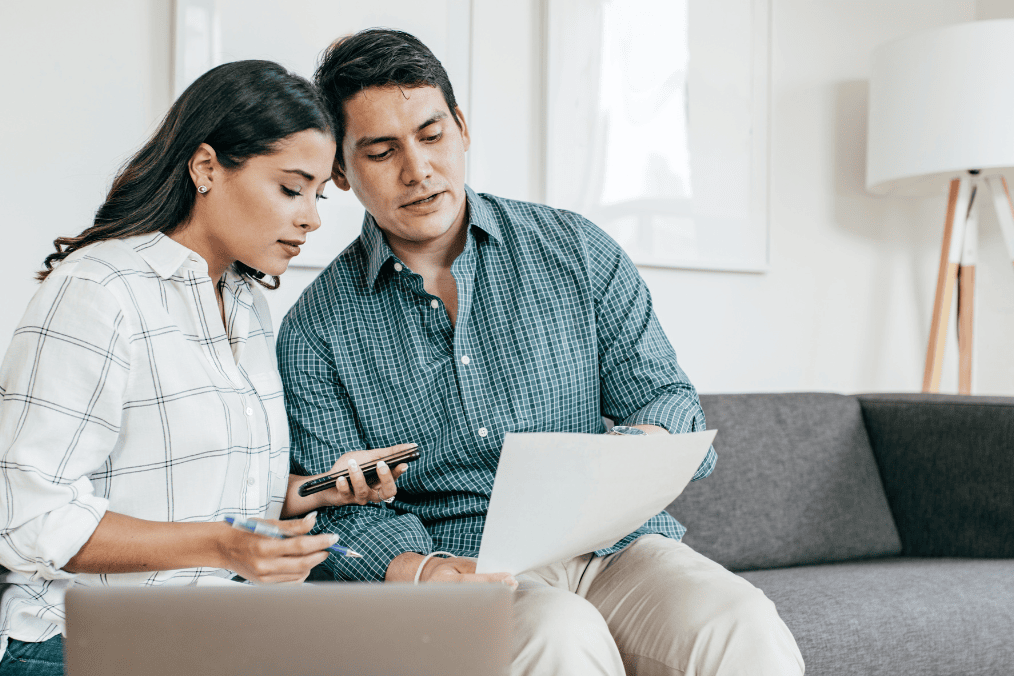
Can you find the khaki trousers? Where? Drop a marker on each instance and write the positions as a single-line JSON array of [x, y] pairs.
[[655, 608]]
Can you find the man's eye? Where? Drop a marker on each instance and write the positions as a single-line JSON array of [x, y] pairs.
[[380, 156], [434, 138]]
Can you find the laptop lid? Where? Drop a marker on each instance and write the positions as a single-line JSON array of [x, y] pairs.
[[311, 630]]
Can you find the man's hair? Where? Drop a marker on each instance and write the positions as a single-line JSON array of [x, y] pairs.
[[377, 57]]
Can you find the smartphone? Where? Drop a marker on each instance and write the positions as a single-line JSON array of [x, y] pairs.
[[369, 472]]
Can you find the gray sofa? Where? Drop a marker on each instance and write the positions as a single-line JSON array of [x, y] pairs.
[[882, 526]]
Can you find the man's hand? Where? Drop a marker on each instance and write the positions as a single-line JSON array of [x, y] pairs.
[[358, 493], [456, 569]]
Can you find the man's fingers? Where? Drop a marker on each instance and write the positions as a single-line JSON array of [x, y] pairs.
[[292, 527], [362, 491]]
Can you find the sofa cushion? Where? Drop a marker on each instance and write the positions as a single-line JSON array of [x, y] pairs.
[[948, 468], [795, 483], [898, 616]]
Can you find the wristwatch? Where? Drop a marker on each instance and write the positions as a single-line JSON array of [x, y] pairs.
[[624, 429]]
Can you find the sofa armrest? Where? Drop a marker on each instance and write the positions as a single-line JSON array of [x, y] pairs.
[[947, 463]]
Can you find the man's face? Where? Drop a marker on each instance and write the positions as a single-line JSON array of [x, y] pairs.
[[405, 161]]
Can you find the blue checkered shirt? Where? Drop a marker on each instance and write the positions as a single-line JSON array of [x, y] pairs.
[[555, 329]]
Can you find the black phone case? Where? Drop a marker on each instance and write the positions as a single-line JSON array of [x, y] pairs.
[[369, 472]]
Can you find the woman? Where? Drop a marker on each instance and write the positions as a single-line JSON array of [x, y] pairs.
[[140, 399]]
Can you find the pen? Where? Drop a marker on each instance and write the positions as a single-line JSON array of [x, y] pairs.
[[266, 529]]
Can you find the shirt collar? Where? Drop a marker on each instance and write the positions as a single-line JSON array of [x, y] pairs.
[[164, 254], [378, 253]]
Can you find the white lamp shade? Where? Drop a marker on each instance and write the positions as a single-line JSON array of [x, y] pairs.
[[941, 103]]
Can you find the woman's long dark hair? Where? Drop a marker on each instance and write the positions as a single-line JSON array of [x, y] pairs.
[[241, 109]]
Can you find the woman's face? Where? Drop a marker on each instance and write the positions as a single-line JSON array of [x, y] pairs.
[[260, 213]]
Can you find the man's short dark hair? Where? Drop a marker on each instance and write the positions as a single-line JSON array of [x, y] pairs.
[[377, 57]]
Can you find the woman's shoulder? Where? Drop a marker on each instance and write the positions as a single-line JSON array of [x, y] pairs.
[[116, 261]]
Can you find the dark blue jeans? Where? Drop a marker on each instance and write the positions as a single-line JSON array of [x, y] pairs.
[[33, 659]]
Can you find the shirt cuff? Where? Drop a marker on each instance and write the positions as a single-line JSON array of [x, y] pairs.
[[42, 546]]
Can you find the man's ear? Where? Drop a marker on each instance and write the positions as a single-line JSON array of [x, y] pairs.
[[463, 126], [202, 166], [338, 177]]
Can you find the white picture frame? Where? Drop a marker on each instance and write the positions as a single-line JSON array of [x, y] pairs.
[[697, 198]]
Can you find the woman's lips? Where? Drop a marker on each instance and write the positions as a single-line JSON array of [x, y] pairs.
[[291, 248]]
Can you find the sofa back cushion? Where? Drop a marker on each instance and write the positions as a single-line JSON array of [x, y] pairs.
[[796, 483]]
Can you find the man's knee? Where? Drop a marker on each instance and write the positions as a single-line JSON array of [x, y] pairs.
[[746, 628], [561, 633]]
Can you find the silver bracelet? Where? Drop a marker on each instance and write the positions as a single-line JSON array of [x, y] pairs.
[[418, 572]]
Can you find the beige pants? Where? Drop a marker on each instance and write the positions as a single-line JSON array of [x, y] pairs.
[[654, 608]]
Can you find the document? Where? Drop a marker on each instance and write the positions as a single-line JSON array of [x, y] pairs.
[[560, 495]]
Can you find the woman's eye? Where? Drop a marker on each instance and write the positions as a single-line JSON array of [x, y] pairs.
[[321, 196], [291, 193]]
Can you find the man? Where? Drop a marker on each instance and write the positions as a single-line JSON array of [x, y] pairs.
[[458, 317]]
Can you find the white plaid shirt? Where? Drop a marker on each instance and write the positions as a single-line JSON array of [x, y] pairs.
[[121, 390]]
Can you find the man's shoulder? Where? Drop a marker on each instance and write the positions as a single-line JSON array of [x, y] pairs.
[[339, 285], [525, 219]]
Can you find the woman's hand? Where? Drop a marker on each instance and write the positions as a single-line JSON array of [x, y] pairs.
[[269, 560], [358, 493]]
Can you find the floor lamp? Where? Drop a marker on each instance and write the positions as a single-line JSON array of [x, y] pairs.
[[941, 116]]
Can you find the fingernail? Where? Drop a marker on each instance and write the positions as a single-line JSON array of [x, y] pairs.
[[333, 538], [353, 464], [381, 463], [311, 515]]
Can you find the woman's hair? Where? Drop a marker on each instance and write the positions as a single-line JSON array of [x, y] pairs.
[[241, 109], [377, 57]]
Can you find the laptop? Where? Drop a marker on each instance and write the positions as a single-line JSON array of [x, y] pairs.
[[308, 630]]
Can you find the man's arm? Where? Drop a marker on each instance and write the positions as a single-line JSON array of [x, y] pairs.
[[642, 385], [322, 428]]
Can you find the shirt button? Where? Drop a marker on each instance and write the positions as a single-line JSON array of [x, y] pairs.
[[434, 303], [483, 432], [249, 411], [466, 361], [250, 481], [398, 267]]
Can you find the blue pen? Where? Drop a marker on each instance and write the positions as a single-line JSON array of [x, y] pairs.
[[266, 529]]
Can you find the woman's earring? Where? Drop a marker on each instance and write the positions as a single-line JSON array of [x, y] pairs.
[[202, 189]]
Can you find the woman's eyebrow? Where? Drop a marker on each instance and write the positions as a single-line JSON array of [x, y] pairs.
[[306, 175]]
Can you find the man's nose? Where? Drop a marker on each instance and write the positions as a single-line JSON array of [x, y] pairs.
[[416, 166]]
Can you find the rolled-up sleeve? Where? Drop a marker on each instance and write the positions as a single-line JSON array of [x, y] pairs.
[[62, 384], [641, 381], [322, 427]]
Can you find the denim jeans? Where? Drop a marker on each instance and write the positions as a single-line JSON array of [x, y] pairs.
[[33, 659]]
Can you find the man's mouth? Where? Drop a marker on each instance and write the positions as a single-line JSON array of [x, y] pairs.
[[425, 200]]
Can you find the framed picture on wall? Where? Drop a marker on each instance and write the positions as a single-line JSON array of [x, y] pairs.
[[657, 126], [211, 32]]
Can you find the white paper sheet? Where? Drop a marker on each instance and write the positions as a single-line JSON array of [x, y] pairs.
[[560, 495]]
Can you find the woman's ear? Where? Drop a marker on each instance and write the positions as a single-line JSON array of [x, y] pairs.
[[202, 167]]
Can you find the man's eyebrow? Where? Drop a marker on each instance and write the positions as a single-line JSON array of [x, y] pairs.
[[370, 140]]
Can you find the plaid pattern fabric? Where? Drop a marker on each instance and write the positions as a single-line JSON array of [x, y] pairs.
[[554, 330], [121, 390]]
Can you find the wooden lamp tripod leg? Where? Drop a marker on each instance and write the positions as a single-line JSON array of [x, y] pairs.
[[950, 257], [966, 297]]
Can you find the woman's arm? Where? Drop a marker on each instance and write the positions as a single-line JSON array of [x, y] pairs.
[[123, 544], [342, 494]]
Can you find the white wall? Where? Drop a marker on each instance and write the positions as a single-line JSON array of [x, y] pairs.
[[847, 301], [84, 85]]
